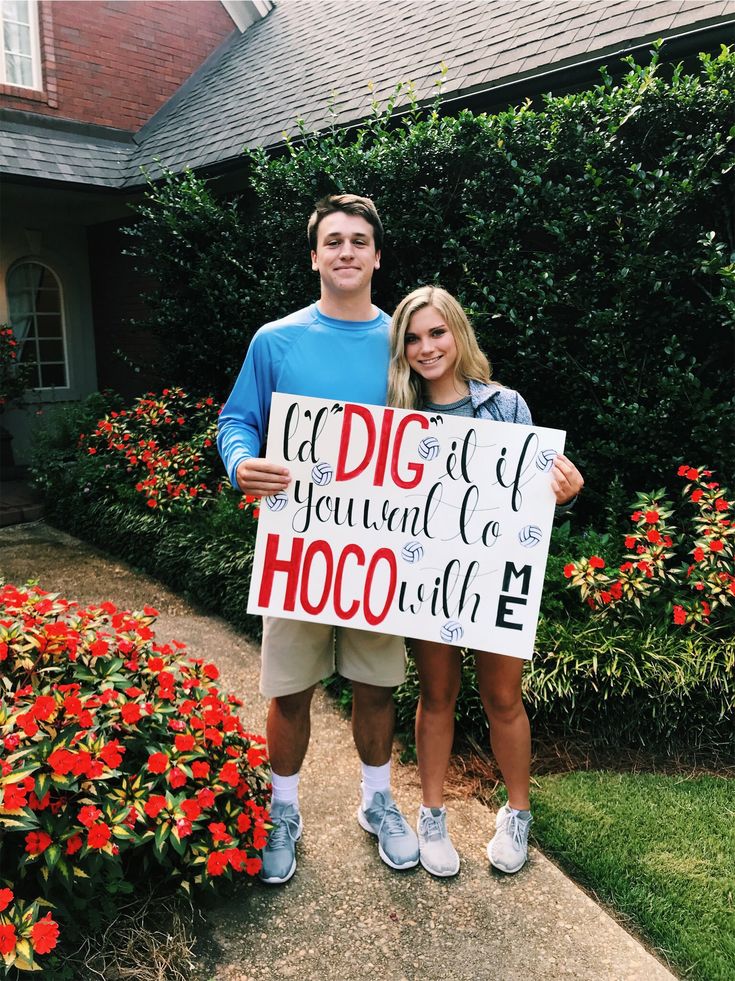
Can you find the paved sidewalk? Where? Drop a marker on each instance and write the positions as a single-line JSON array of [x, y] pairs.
[[346, 916]]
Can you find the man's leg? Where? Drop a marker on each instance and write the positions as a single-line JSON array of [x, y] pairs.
[[375, 664], [295, 656], [288, 730]]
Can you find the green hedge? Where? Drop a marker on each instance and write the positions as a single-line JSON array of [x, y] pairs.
[[630, 684], [591, 240]]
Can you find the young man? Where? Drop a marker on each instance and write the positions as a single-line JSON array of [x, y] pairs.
[[336, 348]]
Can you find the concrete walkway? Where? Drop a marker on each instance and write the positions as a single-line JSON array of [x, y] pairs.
[[345, 915]]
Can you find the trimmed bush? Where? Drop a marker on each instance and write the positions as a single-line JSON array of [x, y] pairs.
[[120, 760], [589, 239]]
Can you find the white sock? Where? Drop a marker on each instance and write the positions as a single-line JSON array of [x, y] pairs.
[[285, 789], [433, 811], [374, 779]]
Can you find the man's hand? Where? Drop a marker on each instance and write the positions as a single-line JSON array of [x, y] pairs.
[[261, 478], [566, 480]]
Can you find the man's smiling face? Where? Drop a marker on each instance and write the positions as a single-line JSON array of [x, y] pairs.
[[345, 256]]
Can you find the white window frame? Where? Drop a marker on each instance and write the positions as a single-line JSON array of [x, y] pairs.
[[64, 334], [37, 81]]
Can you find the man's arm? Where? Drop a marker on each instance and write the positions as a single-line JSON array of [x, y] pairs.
[[243, 425]]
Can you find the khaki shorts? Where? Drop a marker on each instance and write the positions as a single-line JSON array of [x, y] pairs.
[[297, 655]]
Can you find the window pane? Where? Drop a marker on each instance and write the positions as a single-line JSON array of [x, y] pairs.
[[27, 350], [48, 301], [51, 350], [53, 375], [17, 10], [49, 325]]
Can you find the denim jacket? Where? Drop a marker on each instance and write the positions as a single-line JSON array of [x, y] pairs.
[[505, 405]]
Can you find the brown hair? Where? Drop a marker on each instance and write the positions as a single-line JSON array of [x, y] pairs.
[[351, 204]]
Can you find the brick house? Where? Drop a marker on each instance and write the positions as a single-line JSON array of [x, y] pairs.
[[93, 93]]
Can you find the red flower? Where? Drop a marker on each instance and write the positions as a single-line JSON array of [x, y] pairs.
[[62, 761], [256, 755], [721, 504], [44, 935], [253, 866], [176, 777], [99, 835], [191, 808], [706, 609], [697, 495], [200, 769], [206, 797], [716, 545], [7, 938], [217, 863], [692, 474], [131, 713], [244, 823], [155, 664], [211, 672], [43, 707], [229, 774], [629, 542], [88, 815], [698, 554], [112, 754], [37, 842], [218, 832], [681, 472], [569, 570], [605, 596], [73, 844], [6, 898], [653, 535], [158, 762], [596, 562], [616, 590], [680, 615], [636, 516], [184, 743], [154, 805], [652, 517]]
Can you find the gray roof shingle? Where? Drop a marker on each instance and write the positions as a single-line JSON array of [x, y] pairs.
[[288, 66]]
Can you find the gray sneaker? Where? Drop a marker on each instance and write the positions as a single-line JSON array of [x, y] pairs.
[[398, 845], [279, 854], [436, 851], [508, 849]]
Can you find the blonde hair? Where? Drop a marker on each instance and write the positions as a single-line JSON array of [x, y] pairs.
[[405, 387]]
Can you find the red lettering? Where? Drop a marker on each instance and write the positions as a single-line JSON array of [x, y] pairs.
[[389, 557], [342, 613], [316, 548], [417, 469], [383, 448], [290, 566], [367, 417]]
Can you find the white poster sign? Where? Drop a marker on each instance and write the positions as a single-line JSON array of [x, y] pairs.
[[428, 526]]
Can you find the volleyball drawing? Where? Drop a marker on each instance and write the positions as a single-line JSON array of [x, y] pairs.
[[451, 632], [277, 501], [429, 448], [530, 536], [322, 473], [412, 552], [545, 460]]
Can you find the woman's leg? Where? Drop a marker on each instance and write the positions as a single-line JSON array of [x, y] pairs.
[[499, 681], [439, 670]]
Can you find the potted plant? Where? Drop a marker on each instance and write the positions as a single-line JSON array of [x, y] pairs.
[[15, 379]]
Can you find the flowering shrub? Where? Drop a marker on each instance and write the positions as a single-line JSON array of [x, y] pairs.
[[165, 444], [686, 578], [14, 378], [118, 756]]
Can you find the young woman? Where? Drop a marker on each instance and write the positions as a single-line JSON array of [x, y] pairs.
[[436, 365]]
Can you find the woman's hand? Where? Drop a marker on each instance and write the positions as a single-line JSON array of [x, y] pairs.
[[260, 477], [566, 480]]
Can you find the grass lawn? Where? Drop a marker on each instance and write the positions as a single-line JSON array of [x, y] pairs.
[[658, 848]]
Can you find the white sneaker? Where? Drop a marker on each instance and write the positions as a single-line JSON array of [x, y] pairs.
[[436, 851], [508, 849]]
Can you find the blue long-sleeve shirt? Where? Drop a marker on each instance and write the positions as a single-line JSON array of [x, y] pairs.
[[305, 353]]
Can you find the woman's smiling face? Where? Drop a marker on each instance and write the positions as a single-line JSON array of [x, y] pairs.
[[430, 348]]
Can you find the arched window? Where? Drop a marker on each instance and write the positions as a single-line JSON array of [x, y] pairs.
[[37, 317]]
